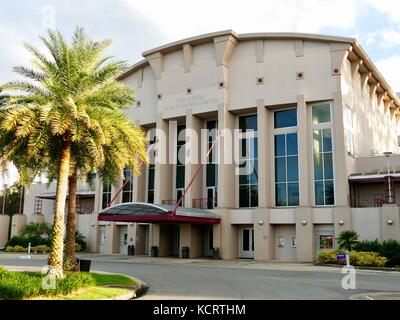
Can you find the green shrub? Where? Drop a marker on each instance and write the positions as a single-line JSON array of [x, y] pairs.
[[327, 257], [24, 241], [367, 259], [16, 249], [81, 240], [368, 246], [362, 259], [40, 248], [391, 250], [22, 285]]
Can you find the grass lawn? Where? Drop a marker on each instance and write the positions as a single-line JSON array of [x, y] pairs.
[[108, 279], [90, 293], [75, 286]]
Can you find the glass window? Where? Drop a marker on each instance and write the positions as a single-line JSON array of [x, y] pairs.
[[180, 166], [151, 169], [106, 195], [285, 118], [248, 166], [323, 167], [248, 123], [321, 114], [127, 191], [286, 170]]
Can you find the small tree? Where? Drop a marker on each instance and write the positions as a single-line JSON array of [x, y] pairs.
[[347, 240]]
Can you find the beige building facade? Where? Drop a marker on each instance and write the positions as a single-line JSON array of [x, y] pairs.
[[313, 117]]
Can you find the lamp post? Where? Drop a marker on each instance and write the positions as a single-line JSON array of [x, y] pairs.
[[387, 155]]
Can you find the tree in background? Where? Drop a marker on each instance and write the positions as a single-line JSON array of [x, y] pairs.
[[347, 239], [11, 202]]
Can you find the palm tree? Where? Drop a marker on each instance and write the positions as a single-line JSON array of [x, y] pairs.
[[124, 135], [59, 110], [347, 240]]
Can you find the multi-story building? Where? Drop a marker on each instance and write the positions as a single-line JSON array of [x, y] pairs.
[[313, 117]]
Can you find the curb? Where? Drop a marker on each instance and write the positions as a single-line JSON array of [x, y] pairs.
[[134, 291], [359, 267]]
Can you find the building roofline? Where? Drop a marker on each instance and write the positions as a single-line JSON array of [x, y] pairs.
[[209, 37]]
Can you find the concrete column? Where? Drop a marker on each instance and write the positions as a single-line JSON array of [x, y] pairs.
[[163, 170], [217, 235], [92, 240], [4, 223], [304, 234], [226, 181], [193, 150], [264, 160], [196, 248], [229, 236], [139, 185], [132, 231], [154, 236], [98, 197], [339, 152], [390, 231], [185, 238], [303, 137], [18, 221], [263, 235]]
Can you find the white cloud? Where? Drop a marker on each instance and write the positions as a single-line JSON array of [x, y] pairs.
[[388, 68], [388, 7], [385, 39], [178, 19]]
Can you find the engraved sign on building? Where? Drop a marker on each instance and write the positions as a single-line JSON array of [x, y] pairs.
[[191, 101]]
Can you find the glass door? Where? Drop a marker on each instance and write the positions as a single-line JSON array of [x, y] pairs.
[[211, 197], [247, 243]]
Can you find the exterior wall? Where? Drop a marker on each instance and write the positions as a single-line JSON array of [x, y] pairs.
[[222, 74]]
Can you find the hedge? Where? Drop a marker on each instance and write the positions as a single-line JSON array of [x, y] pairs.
[[388, 248], [365, 259]]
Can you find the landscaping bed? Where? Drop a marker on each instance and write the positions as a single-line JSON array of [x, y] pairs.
[[75, 286]]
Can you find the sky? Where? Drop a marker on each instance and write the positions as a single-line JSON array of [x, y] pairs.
[[139, 25]]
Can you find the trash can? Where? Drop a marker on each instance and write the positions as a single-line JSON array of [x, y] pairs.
[[131, 250], [84, 265], [154, 251], [215, 253], [185, 252]]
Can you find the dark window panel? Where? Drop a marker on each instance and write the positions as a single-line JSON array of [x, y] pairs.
[[293, 194], [280, 169], [285, 118], [319, 193], [280, 145], [291, 142], [280, 194], [292, 169], [244, 196]]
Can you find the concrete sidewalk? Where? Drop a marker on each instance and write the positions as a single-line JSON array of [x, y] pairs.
[[235, 263]]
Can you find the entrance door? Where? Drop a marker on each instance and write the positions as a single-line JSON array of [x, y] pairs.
[[123, 240], [211, 197], [247, 243], [208, 243], [175, 245]]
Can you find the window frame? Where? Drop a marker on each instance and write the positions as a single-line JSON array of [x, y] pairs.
[[242, 135], [283, 131], [322, 126]]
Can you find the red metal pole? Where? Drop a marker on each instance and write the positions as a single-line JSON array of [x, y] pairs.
[[195, 175]]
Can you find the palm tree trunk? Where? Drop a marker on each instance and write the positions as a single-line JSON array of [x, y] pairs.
[[55, 259], [70, 259]]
